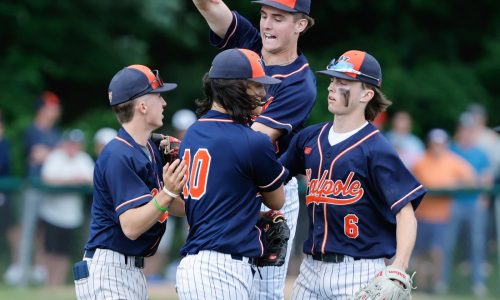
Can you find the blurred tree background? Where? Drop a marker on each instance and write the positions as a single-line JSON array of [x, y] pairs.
[[437, 56]]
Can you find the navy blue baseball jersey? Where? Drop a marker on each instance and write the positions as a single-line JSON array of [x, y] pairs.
[[354, 190], [125, 178], [290, 102], [229, 164]]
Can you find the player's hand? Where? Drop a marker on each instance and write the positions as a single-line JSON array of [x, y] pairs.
[[174, 176]]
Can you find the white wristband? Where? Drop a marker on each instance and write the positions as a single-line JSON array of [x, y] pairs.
[[166, 191]]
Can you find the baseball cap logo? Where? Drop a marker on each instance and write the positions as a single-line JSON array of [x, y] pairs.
[[343, 59], [343, 65]]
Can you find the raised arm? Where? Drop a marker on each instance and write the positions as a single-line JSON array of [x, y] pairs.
[[217, 15]]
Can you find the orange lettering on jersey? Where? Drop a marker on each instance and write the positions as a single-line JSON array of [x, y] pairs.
[[326, 190], [199, 173], [187, 158], [307, 150]]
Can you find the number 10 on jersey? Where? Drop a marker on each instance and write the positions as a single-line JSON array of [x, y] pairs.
[[197, 173]]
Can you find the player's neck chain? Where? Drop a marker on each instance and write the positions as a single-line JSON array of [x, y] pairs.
[[281, 64]]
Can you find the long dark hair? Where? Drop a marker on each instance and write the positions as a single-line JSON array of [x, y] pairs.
[[230, 94]]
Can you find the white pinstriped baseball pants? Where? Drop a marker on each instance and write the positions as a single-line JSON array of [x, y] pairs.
[[272, 284], [213, 275], [111, 278], [324, 280]]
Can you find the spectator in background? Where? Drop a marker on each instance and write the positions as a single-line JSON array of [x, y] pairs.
[[469, 209], [102, 137], [486, 138], [181, 121], [62, 213], [408, 145], [40, 138], [380, 120], [6, 210], [438, 168]]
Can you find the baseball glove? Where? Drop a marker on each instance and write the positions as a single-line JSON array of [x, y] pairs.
[[390, 283], [275, 235], [168, 146]]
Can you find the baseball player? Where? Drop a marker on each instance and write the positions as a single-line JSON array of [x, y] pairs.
[[133, 193], [288, 103], [229, 164], [360, 197]]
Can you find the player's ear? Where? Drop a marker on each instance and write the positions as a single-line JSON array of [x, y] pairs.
[[300, 25], [141, 106], [366, 95]]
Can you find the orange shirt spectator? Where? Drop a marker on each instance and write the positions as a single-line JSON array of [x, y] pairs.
[[439, 168]]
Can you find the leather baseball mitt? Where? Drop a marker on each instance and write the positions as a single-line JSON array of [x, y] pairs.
[[390, 283], [168, 146], [275, 235]]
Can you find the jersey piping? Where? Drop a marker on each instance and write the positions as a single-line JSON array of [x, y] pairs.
[[290, 74], [407, 195], [274, 181]]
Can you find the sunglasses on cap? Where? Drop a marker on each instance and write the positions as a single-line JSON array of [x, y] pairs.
[[343, 66], [153, 84]]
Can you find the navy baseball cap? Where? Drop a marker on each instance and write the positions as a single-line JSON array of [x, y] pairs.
[[134, 81], [239, 64], [355, 65], [292, 6]]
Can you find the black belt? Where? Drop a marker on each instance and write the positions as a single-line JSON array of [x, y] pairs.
[[138, 261], [251, 260], [329, 257]]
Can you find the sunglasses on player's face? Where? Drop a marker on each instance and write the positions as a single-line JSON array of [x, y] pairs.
[[344, 67]]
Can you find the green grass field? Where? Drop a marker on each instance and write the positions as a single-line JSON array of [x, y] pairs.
[[163, 292]]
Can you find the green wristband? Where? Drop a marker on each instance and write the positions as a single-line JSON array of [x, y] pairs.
[[158, 206]]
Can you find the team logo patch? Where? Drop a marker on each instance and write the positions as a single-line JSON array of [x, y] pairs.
[[307, 150]]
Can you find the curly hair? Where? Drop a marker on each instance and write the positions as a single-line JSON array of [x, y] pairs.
[[230, 94]]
